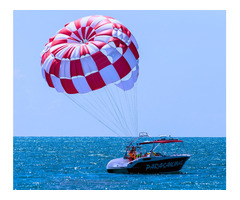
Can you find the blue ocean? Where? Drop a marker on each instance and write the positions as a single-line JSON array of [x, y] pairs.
[[79, 163]]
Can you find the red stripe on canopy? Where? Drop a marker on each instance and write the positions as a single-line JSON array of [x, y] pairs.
[[76, 68], [49, 80], [68, 86], [95, 81], [65, 31], [122, 67], [134, 50], [55, 67], [101, 60]]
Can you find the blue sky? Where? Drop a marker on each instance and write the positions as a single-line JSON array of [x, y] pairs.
[[181, 86]]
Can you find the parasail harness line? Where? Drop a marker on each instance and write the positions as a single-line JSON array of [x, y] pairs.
[[129, 96], [89, 105], [109, 110], [133, 99], [93, 115], [111, 99]]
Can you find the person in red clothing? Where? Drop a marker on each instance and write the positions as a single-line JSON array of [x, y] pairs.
[[132, 154]]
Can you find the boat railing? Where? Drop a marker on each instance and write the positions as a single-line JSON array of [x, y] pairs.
[[143, 134]]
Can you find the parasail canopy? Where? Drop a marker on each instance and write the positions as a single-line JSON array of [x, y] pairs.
[[90, 53]]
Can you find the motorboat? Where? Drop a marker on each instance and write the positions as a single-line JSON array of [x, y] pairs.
[[139, 159]]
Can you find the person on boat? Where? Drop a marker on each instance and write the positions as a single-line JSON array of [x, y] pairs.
[[137, 154], [131, 153], [134, 153]]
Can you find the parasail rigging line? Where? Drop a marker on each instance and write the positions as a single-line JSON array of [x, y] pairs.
[[118, 110], [92, 114], [103, 109], [129, 108], [128, 95]]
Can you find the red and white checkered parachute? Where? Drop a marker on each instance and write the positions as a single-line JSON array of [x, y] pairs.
[[91, 55]]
